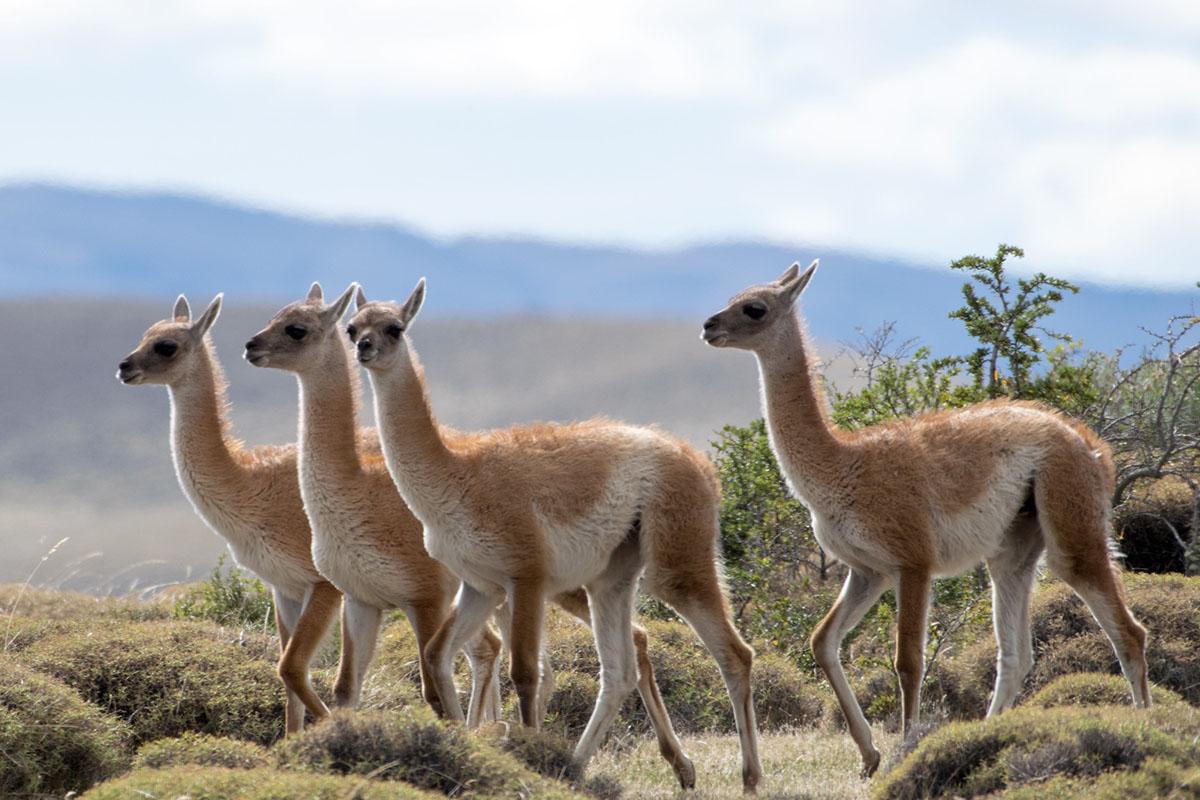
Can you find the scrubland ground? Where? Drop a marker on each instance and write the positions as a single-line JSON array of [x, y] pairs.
[[118, 698]]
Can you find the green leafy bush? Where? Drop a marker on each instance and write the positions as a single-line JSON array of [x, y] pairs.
[[166, 677], [51, 740], [202, 750], [229, 597]]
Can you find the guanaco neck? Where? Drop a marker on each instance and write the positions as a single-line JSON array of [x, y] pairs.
[[416, 453], [795, 410], [329, 416], [202, 452]]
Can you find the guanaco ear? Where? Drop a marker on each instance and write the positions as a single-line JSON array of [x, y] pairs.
[[360, 299], [315, 293], [793, 281], [205, 321], [333, 312], [413, 304], [182, 312]]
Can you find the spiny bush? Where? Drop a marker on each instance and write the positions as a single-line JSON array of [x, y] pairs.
[[1031, 746], [1095, 689], [412, 746], [165, 678], [51, 740], [202, 750], [223, 783]]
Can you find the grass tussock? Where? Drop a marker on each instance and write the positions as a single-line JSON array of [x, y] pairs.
[[412, 746], [166, 678], [1095, 689], [51, 741], [223, 783], [202, 750], [27, 601], [1033, 746]]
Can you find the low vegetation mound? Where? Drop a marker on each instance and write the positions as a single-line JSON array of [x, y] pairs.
[[51, 740], [412, 746], [1054, 752], [1067, 640], [166, 678], [223, 783], [1095, 689], [202, 750]]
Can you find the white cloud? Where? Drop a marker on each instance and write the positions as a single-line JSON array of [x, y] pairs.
[[1088, 160], [926, 128]]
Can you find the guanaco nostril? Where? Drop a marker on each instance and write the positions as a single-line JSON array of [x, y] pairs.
[[126, 364], [710, 323], [253, 343]]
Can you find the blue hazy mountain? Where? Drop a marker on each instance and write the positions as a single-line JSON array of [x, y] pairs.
[[57, 240]]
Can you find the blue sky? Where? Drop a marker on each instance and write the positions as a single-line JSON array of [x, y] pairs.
[[923, 130]]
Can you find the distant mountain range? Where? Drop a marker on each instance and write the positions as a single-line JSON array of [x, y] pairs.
[[56, 240]]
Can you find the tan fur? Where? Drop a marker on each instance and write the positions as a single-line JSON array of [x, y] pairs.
[[365, 540], [902, 502], [527, 513], [251, 497]]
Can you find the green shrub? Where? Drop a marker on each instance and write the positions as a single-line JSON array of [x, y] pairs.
[[1095, 689], [165, 678], [202, 750], [51, 740], [412, 746], [231, 597], [1030, 746], [223, 783]]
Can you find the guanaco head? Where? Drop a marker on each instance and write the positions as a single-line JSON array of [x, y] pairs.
[[750, 315], [377, 329], [298, 332], [166, 350]]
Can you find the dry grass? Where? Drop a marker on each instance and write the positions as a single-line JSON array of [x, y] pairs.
[[819, 764]]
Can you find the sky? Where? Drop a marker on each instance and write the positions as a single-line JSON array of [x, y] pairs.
[[922, 130]]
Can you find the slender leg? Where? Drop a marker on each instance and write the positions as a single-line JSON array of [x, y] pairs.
[[1012, 571], [1076, 526], [360, 632], [425, 621], [576, 603], [913, 602], [527, 603], [611, 600], [466, 617], [307, 632], [484, 654], [708, 614], [859, 593], [287, 612]]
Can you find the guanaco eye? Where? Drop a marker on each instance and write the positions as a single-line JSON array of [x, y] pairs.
[[166, 348], [352, 332], [394, 331], [297, 332], [754, 310]]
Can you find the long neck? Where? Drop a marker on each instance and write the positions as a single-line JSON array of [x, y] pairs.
[[795, 410], [329, 416], [203, 454], [416, 454]]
